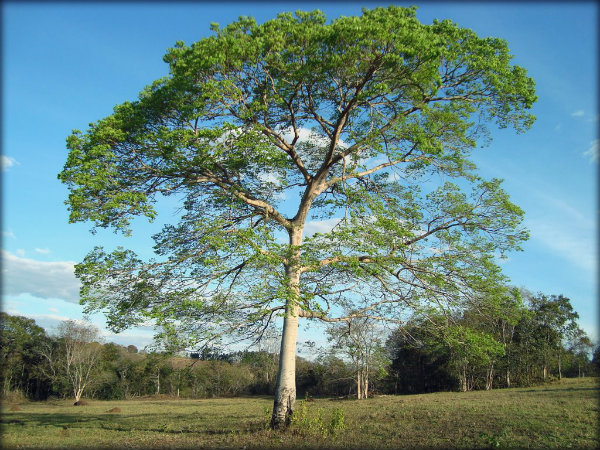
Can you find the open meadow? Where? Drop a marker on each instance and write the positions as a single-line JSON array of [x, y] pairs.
[[557, 415]]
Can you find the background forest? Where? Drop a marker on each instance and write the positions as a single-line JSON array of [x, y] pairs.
[[520, 342]]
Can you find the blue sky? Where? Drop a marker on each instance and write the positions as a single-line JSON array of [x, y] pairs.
[[67, 64]]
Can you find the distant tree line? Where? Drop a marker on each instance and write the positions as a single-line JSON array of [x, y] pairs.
[[507, 343]]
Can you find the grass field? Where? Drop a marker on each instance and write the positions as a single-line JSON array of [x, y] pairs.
[[559, 415]]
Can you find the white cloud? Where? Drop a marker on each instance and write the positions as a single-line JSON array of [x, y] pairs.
[[39, 278], [9, 234], [307, 135], [138, 336], [558, 207], [320, 226], [53, 319], [578, 113], [567, 232], [579, 250], [20, 252], [43, 251], [8, 161], [594, 150]]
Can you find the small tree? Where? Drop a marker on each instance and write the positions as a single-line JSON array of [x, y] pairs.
[[259, 129], [75, 359], [361, 340]]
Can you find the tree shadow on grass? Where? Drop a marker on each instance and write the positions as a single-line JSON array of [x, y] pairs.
[[112, 422], [56, 420]]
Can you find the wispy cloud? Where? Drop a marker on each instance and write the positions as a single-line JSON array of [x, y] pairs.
[[565, 231], [320, 226], [593, 151], [579, 250], [309, 136], [7, 162], [43, 251], [578, 113], [558, 207], [9, 234], [39, 278]]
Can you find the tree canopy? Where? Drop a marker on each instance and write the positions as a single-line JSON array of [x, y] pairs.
[[365, 123]]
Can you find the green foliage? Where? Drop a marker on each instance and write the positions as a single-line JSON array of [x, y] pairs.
[[337, 423], [350, 117], [21, 363], [307, 421], [422, 360], [596, 361], [500, 341], [267, 414]]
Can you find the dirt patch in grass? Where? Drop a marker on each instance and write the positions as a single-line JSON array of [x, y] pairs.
[[15, 408], [116, 409]]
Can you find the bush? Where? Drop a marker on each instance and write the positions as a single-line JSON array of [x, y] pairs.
[[305, 421], [14, 396]]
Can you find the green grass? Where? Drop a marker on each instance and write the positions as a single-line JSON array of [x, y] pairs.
[[560, 415]]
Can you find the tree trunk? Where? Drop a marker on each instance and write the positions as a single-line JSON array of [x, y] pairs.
[[559, 367], [77, 394], [463, 379], [489, 378], [285, 388]]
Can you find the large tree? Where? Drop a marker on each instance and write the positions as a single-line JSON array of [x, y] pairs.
[[260, 129]]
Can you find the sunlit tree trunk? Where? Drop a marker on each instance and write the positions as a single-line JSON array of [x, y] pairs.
[[285, 388], [544, 372], [489, 377], [463, 379]]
